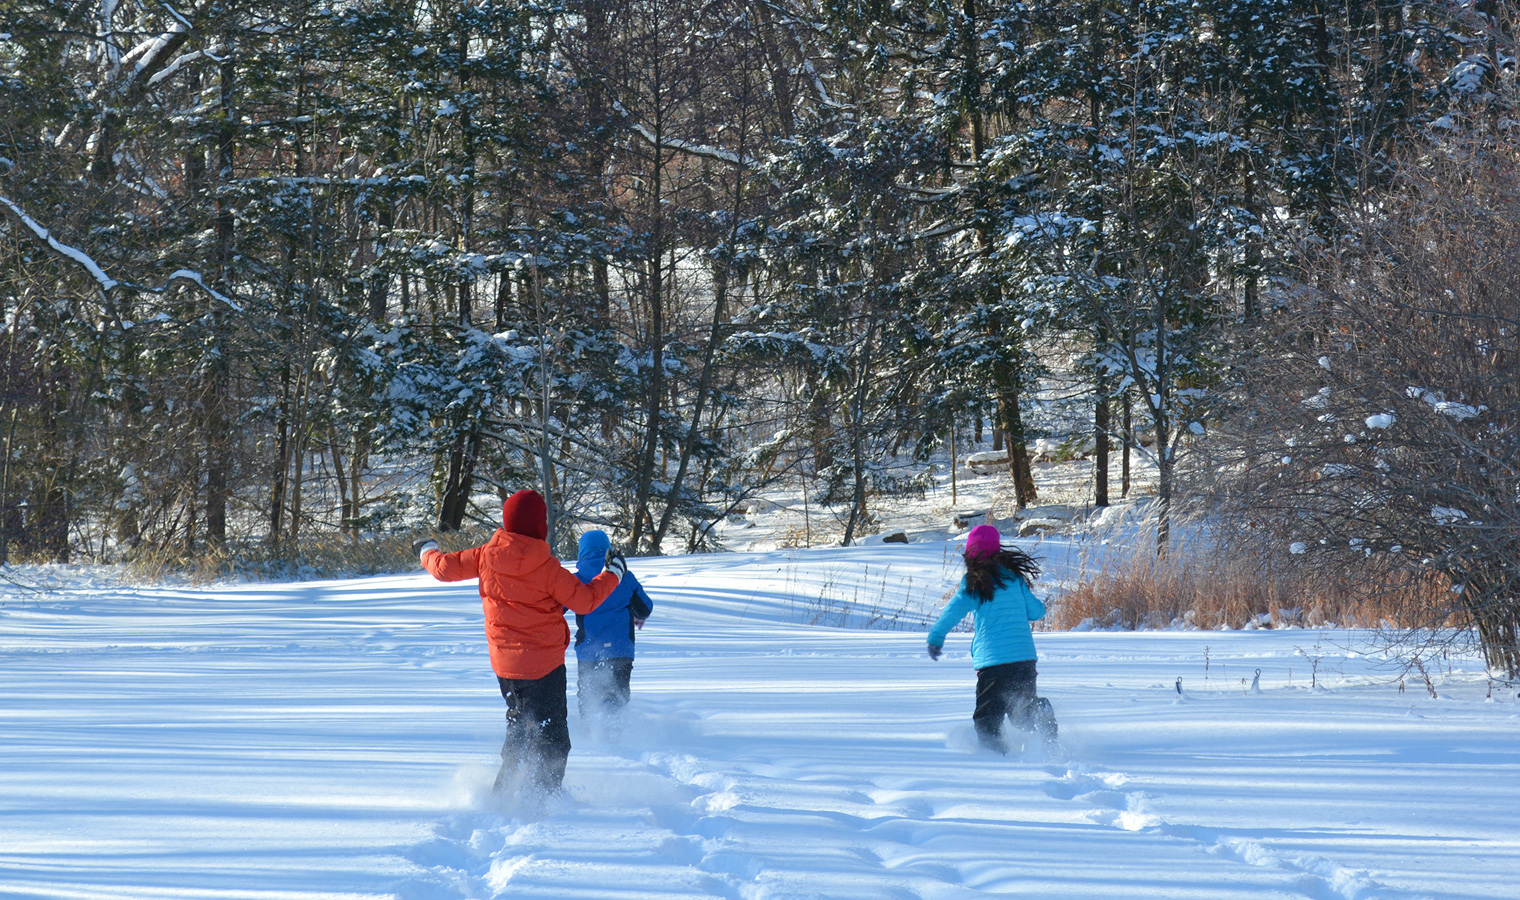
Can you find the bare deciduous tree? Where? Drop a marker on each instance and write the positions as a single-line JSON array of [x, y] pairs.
[[1379, 432]]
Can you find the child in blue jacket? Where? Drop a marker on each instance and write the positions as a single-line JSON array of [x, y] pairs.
[[995, 591], [604, 636]]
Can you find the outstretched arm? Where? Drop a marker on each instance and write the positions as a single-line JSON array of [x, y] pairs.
[[958, 607], [579, 597], [1034, 608], [460, 566]]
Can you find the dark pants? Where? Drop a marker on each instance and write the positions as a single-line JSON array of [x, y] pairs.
[[602, 686], [1004, 691], [538, 736]]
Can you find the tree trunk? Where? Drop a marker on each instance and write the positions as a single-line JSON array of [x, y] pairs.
[[503, 301], [1100, 445], [1164, 504], [704, 385], [858, 512], [1012, 426], [654, 406], [347, 505], [51, 523], [1129, 442], [1495, 616], [297, 491], [1498, 624], [1251, 300], [378, 299], [216, 428], [1104, 267], [1018, 456], [597, 37], [281, 462], [6, 519], [460, 480]]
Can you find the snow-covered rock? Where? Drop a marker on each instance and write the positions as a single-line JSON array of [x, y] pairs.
[[1033, 527], [756, 505], [969, 519], [987, 462], [1055, 512]]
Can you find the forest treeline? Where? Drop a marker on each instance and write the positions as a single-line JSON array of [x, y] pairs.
[[266, 267]]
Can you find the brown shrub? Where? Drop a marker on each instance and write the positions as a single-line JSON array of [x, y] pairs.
[[1210, 589]]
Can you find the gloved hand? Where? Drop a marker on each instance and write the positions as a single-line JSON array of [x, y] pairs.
[[934, 651], [639, 624], [616, 565], [423, 546]]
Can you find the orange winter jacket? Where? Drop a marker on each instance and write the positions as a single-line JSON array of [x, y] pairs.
[[524, 590]]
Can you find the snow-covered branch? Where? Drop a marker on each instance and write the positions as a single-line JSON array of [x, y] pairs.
[[943, 229], [86, 262], [145, 63], [814, 78], [1464, 13], [73, 254], [199, 281], [680, 146], [930, 193]]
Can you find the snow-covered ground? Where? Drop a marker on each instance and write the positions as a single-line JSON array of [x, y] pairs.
[[786, 517], [335, 739]]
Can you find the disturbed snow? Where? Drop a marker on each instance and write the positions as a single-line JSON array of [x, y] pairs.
[[788, 738]]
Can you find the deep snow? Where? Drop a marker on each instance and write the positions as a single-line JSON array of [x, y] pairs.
[[335, 739]]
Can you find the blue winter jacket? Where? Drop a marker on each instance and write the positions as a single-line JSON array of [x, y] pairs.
[[1002, 623], [607, 631]]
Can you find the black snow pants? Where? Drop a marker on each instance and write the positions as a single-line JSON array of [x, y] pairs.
[[603, 686], [1008, 691], [538, 734]]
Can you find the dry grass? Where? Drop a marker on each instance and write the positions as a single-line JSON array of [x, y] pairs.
[[819, 534], [325, 556], [1209, 590]]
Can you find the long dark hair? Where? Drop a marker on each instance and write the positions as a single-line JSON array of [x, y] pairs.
[[985, 574]]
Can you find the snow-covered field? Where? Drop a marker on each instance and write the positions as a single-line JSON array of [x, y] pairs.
[[785, 517], [336, 739]]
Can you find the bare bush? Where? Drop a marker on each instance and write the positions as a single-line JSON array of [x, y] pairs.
[[1376, 438], [325, 556]]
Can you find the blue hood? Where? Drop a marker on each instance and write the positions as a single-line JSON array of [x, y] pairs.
[[593, 554], [607, 631]]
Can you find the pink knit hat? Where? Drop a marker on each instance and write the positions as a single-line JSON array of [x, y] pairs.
[[984, 540]]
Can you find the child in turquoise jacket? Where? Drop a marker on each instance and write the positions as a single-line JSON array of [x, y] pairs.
[[995, 592]]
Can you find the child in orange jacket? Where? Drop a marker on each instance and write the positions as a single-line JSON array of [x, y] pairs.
[[524, 590]]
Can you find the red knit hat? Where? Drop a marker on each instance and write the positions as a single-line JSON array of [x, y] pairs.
[[525, 513]]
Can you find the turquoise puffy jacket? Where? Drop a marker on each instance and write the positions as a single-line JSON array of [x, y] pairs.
[[1002, 634]]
